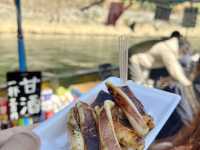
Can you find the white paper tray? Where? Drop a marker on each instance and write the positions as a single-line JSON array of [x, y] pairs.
[[157, 103]]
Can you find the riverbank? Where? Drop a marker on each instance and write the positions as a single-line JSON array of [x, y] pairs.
[[141, 29], [72, 21]]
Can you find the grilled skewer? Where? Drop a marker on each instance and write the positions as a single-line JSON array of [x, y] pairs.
[[128, 138], [107, 133], [106, 126], [129, 108], [147, 118], [76, 137], [88, 126], [82, 123]]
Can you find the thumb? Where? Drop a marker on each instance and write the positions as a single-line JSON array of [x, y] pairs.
[[24, 140]]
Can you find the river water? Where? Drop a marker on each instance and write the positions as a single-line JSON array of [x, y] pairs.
[[60, 53]]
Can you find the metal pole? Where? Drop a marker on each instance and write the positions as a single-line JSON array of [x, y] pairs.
[[21, 47]]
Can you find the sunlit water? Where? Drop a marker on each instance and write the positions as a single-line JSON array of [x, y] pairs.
[[59, 53]]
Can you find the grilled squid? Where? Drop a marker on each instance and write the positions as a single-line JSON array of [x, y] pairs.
[[107, 133], [130, 109], [82, 124], [76, 137]]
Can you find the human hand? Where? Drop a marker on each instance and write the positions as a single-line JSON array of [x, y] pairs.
[[19, 138]]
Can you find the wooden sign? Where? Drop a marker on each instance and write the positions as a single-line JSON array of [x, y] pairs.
[[23, 94], [162, 12], [190, 17]]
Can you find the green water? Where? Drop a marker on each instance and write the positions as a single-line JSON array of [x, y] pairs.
[[56, 54]]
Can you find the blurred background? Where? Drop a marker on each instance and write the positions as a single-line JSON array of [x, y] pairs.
[[64, 36]]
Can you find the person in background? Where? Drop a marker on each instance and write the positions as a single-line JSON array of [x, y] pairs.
[[117, 8], [165, 53]]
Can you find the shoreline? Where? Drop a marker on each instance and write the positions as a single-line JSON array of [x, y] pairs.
[[91, 22], [141, 30], [66, 19]]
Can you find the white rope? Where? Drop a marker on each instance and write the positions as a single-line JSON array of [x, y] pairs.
[[123, 57]]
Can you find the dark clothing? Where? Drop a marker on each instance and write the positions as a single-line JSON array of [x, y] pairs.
[[156, 74], [173, 124]]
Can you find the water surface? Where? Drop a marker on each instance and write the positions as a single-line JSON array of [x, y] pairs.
[[60, 53]]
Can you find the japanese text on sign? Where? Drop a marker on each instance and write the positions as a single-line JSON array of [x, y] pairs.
[[24, 94]]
